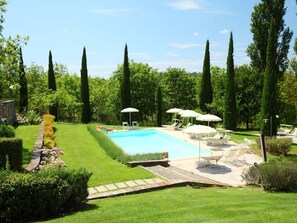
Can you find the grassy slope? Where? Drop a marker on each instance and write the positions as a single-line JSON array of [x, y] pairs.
[[191, 205], [29, 134], [82, 150]]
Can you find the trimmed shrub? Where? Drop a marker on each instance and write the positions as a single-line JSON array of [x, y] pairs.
[[43, 195], [48, 131], [277, 146], [277, 175], [115, 152], [48, 119], [11, 148], [7, 131]]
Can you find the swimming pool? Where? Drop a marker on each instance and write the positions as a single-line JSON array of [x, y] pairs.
[[151, 141]]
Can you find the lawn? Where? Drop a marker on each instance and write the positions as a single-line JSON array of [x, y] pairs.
[[28, 133], [187, 204], [82, 150]]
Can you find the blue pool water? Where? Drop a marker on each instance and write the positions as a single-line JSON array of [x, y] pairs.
[[150, 141]]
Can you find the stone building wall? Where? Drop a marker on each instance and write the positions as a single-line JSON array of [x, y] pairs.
[[7, 112]]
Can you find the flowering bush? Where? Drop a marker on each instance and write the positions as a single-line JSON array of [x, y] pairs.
[[51, 157], [30, 117]]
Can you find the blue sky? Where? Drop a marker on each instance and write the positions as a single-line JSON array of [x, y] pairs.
[[162, 33]]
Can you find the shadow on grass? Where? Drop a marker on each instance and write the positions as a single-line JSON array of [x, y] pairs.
[[27, 155]]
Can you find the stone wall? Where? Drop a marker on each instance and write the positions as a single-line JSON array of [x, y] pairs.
[[7, 112]]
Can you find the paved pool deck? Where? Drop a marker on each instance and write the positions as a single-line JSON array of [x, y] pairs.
[[224, 171]]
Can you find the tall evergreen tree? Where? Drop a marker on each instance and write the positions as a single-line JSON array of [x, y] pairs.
[[159, 106], [206, 94], [125, 84], [269, 97], [23, 84], [86, 115], [53, 109], [230, 95], [260, 25]]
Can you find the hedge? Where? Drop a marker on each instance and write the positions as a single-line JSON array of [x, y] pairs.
[[38, 196], [277, 146], [11, 148], [115, 152], [7, 131], [276, 175]]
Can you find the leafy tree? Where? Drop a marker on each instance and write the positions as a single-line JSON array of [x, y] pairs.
[[206, 94], [159, 106], [179, 89], [260, 25], [23, 85], [288, 105], [125, 84], [53, 108], [143, 79], [86, 115], [248, 93], [68, 96], [269, 97], [230, 95], [218, 82], [293, 62], [39, 96]]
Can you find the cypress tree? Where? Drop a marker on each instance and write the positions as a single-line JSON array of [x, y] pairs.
[[230, 95], [206, 94], [84, 90], [53, 109], [269, 97], [125, 84], [23, 84], [159, 106]]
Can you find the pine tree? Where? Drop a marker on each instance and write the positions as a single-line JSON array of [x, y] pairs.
[[53, 109], [269, 97], [230, 95], [86, 115], [125, 84], [159, 106], [206, 94], [23, 85]]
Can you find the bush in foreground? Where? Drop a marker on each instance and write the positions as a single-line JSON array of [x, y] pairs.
[[11, 151], [7, 131], [277, 175], [41, 195]]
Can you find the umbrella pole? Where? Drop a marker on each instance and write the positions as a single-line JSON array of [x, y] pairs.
[[130, 118], [199, 149]]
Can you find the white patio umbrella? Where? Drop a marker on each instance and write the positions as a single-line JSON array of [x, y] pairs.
[[200, 131], [174, 110], [189, 114], [208, 118], [129, 110]]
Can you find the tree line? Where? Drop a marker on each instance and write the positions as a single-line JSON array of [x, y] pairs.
[[243, 95]]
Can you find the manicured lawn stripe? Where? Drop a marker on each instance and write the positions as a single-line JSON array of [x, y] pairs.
[[82, 150], [29, 134], [191, 205]]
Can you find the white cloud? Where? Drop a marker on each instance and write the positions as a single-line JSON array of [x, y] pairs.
[[185, 45], [185, 5], [173, 54], [113, 12], [196, 34], [217, 54], [225, 31]]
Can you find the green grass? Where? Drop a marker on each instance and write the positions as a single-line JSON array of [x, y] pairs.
[[29, 134], [82, 150], [191, 205]]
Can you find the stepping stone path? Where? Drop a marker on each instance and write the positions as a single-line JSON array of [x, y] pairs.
[[169, 176]]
